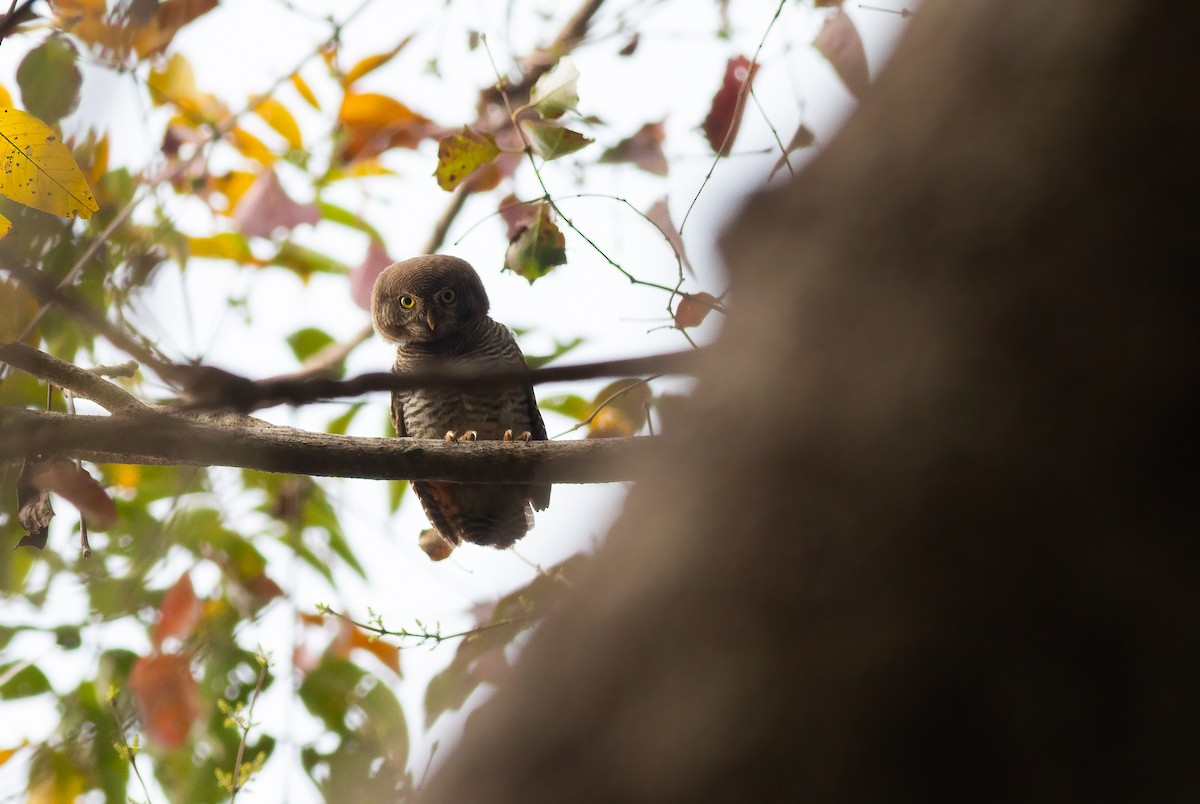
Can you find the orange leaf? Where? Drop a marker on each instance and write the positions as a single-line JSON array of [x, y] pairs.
[[725, 117], [166, 697], [251, 145], [277, 116], [77, 487], [385, 652], [839, 42], [693, 308], [305, 91], [179, 613], [371, 124], [625, 411], [371, 63]]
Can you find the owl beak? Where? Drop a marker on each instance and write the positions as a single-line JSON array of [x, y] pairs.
[[429, 320]]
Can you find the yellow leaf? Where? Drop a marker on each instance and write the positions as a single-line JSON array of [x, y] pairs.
[[37, 170], [358, 170], [233, 185], [373, 62], [125, 475], [459, 155], [5, 98], [276, 115], [176, 84], [223, 246], [305, 91], [5, 226], [251, 145], [7, 753], [17, 307], [374, 123]]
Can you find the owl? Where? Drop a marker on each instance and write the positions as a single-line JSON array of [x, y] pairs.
[[435, 310]]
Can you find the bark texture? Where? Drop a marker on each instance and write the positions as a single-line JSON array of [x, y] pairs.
[[938, 540]]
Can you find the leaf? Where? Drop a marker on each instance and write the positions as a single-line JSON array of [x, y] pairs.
[[725, 117], [266, 209], [538, 246], [17, 308], [5, 98], [335, 214], [23, 683], [396, 489], [803, 138], [374, 62], [572, 406], [551, 141], [660, 215], [643, 149], [5, 226], [76, 486], [175, 83], [625, 414], [363, 275], [370, 124], [460, 155], [224, 246], [560, 349], [37, 170], [328, 691], [305, 91], [555, 92], [169, 17], [693, 308], [179, 613], [166, 697], [838, 41], [340, 423], [304, 262], [49, 78], [251, 146], [308, 341], [277, 116]]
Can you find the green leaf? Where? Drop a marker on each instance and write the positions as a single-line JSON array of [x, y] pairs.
[[550, 141], [305, 262], [569, 405], [555, 92], [396, 489], [538, 247], [327, 691], [308, 341], [50, 79], [560, 349], [341, 422], [24, 683], [336, 214]]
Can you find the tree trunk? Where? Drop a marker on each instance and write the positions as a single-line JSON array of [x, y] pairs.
[[937, 540]]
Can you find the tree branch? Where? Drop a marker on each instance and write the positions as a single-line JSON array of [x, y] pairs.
[[213, 388], [81, 382], [163, 438]]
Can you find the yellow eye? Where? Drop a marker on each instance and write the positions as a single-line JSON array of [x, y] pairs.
[[447, 296], [407, 302]]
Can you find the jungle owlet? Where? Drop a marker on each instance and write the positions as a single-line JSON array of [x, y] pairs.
[[435, 310]]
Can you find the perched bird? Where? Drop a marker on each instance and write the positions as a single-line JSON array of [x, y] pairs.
[[435, 310]]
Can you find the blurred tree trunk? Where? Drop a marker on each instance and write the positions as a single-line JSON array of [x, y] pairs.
[[938, 540]]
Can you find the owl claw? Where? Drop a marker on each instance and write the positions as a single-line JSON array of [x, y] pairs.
[[525, 436], [507, 435], [450, 436], [470, 435]]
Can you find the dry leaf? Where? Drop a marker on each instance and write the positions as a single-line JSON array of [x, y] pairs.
[[643, 149], [725, 117], [660, 215], [839, 42]]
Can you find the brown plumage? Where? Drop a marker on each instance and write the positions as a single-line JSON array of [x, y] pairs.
[[435, 310]]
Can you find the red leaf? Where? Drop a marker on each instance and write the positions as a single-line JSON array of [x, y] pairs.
[[166, 697], [660, 215], [841, 45], [721, 125], [266, 207], [179, 613], [643, 149], [77, 487], [693, 308], [363, 275]]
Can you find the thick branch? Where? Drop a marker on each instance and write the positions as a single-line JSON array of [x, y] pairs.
[[162, 438]]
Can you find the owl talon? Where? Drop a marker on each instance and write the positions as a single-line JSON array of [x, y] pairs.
[[507, 435], [470, 435], [525, 436], [450, 437]]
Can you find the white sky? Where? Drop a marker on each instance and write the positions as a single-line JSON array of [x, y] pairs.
[[242, 48]]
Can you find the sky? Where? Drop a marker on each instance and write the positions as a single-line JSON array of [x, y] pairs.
[[241, 49]]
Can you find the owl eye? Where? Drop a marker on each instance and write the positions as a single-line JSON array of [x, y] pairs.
[[446, 296], [407, 302]]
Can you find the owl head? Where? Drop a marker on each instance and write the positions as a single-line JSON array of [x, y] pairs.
[[427, 298]]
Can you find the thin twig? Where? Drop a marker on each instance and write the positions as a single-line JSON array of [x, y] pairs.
[[249, 721], [424, 636], [87, 384], [130, 751]]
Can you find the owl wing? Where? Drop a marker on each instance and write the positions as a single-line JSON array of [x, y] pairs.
[[398, 416], [538, 495]]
